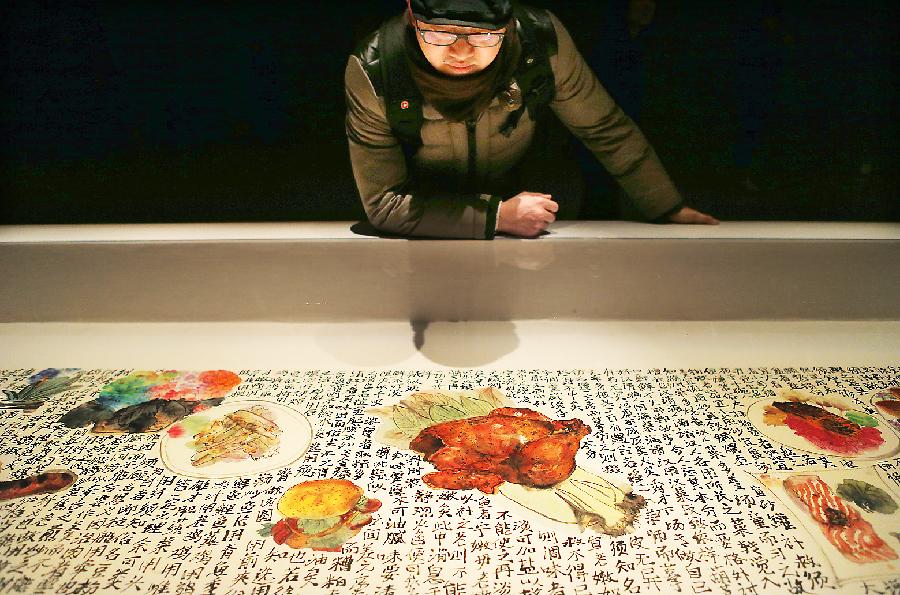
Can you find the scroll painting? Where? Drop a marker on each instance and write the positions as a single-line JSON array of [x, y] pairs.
[[437, 482]]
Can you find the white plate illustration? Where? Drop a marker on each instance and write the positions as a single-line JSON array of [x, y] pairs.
[[235, 439], [783, 434], [887, 403]]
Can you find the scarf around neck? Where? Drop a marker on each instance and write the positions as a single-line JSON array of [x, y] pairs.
[[460, 98]]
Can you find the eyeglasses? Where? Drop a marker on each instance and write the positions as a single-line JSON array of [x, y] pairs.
[[477, 40]]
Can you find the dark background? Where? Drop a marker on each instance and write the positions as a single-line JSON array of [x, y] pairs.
[[233, 111]]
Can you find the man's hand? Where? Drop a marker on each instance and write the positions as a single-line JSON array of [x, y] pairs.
[[689, 215], [526, 214]]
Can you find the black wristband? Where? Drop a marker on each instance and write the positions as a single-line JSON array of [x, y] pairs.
[[490, 224]]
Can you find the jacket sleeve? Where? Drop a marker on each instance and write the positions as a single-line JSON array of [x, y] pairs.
[[388, 194], [589, 112]]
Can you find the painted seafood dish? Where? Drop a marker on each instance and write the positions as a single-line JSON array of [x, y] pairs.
[[851, 516], [479, 440], [234, 439], [827, 425]]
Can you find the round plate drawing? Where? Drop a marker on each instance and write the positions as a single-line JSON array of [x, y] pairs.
[[783, 434], [891, 413], [177, 450]]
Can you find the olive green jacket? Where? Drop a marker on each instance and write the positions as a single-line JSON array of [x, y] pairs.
[[432, 208]]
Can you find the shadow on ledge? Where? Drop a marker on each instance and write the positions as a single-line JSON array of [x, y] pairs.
[[364, 228], [464, 344]]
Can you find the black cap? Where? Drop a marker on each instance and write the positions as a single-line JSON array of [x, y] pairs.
[[483, 14]]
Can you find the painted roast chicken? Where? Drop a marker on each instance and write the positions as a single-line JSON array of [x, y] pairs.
[[509, 444]]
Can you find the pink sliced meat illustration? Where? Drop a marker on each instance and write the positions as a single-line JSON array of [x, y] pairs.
[[841, 524]]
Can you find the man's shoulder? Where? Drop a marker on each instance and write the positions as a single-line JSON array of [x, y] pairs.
[[370, 51], [538, 22], [367, 49]]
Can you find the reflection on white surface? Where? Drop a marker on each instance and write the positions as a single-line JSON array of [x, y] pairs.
[[341, 230], [490, 345]]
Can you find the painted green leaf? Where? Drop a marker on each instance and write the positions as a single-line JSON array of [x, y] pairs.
[[424, 409], [868, 497], [313, 526], [440, 413], [475, 407], [862, 419], [407, 421], [418, 404], [265, 530], [332, 540]]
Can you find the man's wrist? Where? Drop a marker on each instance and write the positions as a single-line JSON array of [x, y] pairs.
[[664, 216], [493, 217]]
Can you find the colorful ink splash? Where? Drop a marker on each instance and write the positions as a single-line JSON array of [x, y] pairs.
[[823, 429], [151, 401]]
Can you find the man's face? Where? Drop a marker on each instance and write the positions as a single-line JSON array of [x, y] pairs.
[[460, 58], [640, 12]]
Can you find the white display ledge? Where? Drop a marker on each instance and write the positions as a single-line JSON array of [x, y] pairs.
[[342, 230], [445, 345], [323, 272]]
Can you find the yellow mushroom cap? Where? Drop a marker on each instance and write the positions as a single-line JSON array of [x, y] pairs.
[[319, 499]]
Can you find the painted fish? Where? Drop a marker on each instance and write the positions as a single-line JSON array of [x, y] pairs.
[[826, 419], [841, 524], [827, 430], [43, 483]]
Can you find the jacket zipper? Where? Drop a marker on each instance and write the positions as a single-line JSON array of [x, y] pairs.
[[470, 132]]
